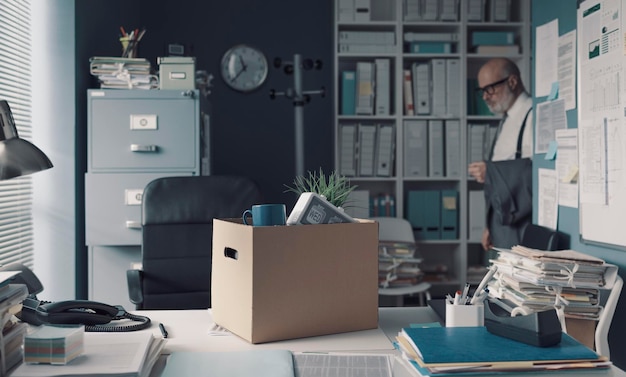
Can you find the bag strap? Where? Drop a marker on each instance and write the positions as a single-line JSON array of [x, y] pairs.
[[518, 152]]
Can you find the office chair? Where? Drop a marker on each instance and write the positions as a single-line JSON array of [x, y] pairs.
[[177, 231], [540, 238], [601, 336], [400, 230]]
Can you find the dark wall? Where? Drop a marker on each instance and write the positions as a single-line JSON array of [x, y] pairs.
[[252, 135]]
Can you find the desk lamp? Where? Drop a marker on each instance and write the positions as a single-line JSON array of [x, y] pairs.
[[17, 156]]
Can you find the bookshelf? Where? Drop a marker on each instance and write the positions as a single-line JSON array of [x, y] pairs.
[[379, 42]]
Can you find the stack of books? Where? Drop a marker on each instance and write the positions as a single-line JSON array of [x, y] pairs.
[[123, 73], [539, 280], [398, 265], [439, 351], [13, 331]]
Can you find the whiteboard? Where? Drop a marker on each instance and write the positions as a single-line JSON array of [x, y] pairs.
[[602, 121]]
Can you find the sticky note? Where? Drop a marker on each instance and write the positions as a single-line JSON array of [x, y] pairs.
[[572, 175], [551, 153], [554, 91]]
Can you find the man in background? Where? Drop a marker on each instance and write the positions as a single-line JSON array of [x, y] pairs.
[[507, 173]]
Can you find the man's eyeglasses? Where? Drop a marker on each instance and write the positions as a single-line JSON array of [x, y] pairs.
[[491, 88]]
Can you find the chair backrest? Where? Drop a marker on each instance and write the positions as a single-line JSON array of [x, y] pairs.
[[606, 316], [394, 229], [540, 238], [177, 223]]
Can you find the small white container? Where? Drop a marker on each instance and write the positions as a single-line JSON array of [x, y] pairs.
[[465, 315], [177, 72]]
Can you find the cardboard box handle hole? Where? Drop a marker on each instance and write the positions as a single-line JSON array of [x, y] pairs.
[[231, 253]]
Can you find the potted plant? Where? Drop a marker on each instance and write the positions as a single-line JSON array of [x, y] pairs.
[[334, 187]]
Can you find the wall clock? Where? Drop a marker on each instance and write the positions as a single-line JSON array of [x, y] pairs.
[[244, 68]]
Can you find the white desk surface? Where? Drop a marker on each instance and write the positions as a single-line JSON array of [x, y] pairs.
[[188, 330]]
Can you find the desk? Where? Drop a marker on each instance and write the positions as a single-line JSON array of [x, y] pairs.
[[188, 331]]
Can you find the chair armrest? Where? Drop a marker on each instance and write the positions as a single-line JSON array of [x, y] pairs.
[[135, 293]]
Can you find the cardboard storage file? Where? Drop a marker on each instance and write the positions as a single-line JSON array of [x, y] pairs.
[[285, 282]]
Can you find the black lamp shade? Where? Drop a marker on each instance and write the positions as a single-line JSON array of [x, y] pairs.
[[17, 156]]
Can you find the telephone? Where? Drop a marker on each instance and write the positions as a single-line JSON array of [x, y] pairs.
[[96, 316]]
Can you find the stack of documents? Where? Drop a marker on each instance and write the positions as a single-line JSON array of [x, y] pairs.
[[128, 354], [123, 73], [398, 266], [440, 351], [538, 279], [13, 331], [54, 344]]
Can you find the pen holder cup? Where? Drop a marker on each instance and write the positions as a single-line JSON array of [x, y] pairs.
[[465, 315]]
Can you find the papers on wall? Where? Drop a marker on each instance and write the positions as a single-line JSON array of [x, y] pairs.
[[546, 57], [131, 354], [550, 117], [547, 202], [567, 69], [567, 166]]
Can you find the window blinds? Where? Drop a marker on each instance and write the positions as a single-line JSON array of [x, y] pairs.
[[16, 226]]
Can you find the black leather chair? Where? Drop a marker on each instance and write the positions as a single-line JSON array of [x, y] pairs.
[[177, 231], [540, 238]]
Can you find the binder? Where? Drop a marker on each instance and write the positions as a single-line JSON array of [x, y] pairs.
[[438, 75], [362, 10], [449, 10], [500, 10], [476, 141], [408, 93], [358, 204], [347, 149], [365, 88], [383, 86], [367, 143], [430, 47], [421, 73], [453, 148], [435, 148], [345, 10], [385, 150], [476, 215], [415, 148], [453, 87], [424, 214], [430, 10], [411, 10], [348, 92], [449, 214], [475, 10], [492, 38]]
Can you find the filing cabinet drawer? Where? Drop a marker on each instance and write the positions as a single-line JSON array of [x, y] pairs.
[[113, 207], [143, 133], [107, 273]]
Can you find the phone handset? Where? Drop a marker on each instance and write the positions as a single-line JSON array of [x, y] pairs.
[[77, 312]]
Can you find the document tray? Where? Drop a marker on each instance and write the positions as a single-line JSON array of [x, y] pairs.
[[541, 329]]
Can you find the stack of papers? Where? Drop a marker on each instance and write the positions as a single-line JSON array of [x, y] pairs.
[[128, 354], [539, 280], [12, 340], [54, 344], [454, 351], [123, 73], [398, 266]]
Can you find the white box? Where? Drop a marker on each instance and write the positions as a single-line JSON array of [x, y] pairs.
[[177, 72]]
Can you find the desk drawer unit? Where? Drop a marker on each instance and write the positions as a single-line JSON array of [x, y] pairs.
[[133, 137]]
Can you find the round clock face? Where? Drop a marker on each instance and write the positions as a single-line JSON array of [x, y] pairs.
[[244, 68]]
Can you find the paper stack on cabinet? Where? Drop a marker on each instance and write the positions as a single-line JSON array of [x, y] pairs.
[[123, 73], [12, 340]]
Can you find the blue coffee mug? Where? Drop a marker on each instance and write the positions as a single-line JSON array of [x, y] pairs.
[[266, 215]]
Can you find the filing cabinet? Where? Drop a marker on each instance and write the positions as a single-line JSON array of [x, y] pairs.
[[133, 137]]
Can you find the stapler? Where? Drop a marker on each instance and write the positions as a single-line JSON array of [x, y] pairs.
[[541, 329]]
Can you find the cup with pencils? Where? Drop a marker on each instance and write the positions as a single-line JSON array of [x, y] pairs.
[[130, 42]]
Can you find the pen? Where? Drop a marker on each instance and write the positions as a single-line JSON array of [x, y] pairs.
[[457, 298], [163, 331], [465, 292]]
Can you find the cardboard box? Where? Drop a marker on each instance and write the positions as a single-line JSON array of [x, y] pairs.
[[284, 282], [177, 72]]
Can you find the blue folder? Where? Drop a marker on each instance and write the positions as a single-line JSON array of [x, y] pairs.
[[455, 345]]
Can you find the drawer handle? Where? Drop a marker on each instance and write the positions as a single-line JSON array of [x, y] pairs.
[[133, 224], [143, 148]]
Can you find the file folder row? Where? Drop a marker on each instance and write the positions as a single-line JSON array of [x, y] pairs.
[[367, 41], [366, 150], [430, 10], [433, 87], [367, 90], [491, 10], [432, 148], [433, 214]]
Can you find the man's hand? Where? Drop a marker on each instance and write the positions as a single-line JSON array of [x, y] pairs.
[[477, 170], [486, 240]]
